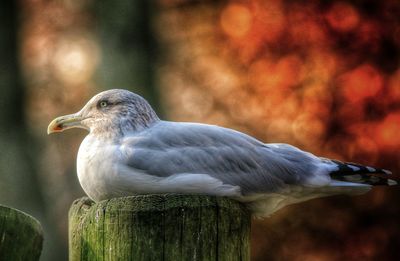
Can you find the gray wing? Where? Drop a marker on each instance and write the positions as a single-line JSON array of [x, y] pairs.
[[233, 157]]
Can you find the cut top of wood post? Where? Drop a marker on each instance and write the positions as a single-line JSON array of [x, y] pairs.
[[159, 227]]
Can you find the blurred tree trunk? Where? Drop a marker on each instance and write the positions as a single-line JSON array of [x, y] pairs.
[[127, 46], [18, 184]]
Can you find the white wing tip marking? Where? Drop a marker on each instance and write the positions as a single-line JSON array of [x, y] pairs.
[[387, 171], [371, 169], [354, 168]]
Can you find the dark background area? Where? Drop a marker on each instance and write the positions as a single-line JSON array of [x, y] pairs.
[[321, 75]]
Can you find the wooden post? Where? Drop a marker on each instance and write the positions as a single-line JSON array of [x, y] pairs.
[[21, 236], [159, 227]]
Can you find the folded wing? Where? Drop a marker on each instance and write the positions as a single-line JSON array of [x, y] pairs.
[[230, 156]]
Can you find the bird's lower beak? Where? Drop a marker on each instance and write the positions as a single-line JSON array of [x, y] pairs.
[[66, 122]]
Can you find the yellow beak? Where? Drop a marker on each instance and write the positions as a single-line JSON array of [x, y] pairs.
[[66, 122]]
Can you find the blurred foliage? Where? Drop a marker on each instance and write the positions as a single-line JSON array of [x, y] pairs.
[[321, 75]]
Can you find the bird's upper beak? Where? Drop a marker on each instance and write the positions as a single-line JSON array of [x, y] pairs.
[[66, 122]]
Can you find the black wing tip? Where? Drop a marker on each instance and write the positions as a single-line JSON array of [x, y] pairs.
[[350, 168], [353, 172], [368, 179]]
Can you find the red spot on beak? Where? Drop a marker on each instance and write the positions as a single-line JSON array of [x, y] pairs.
[[58, 128]]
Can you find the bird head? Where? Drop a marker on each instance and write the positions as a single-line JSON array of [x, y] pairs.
[[109, 111]]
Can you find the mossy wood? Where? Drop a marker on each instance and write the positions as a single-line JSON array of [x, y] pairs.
[[159, 227], [21, 236]]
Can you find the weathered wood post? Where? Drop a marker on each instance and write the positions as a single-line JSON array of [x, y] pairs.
[[21, 236], [159, 227]]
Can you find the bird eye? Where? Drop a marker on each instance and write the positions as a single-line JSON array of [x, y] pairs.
[[103, 104]]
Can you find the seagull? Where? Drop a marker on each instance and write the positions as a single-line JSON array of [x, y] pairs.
[[130, 151]]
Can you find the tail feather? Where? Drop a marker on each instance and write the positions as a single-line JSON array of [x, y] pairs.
[[356, 173]]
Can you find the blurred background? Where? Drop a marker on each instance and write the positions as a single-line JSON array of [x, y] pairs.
[[321, 75]]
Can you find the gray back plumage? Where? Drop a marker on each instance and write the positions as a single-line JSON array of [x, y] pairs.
[[169, 148]]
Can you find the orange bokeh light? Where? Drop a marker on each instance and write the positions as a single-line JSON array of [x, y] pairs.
[[270, 20], [285, 73], [317, 100], [362, 82], [367, 148], [388, 131], [236, 20], [306, 28], [308, 129], [343, 17]]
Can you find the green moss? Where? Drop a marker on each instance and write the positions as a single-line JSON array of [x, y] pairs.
[[21, 236]]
